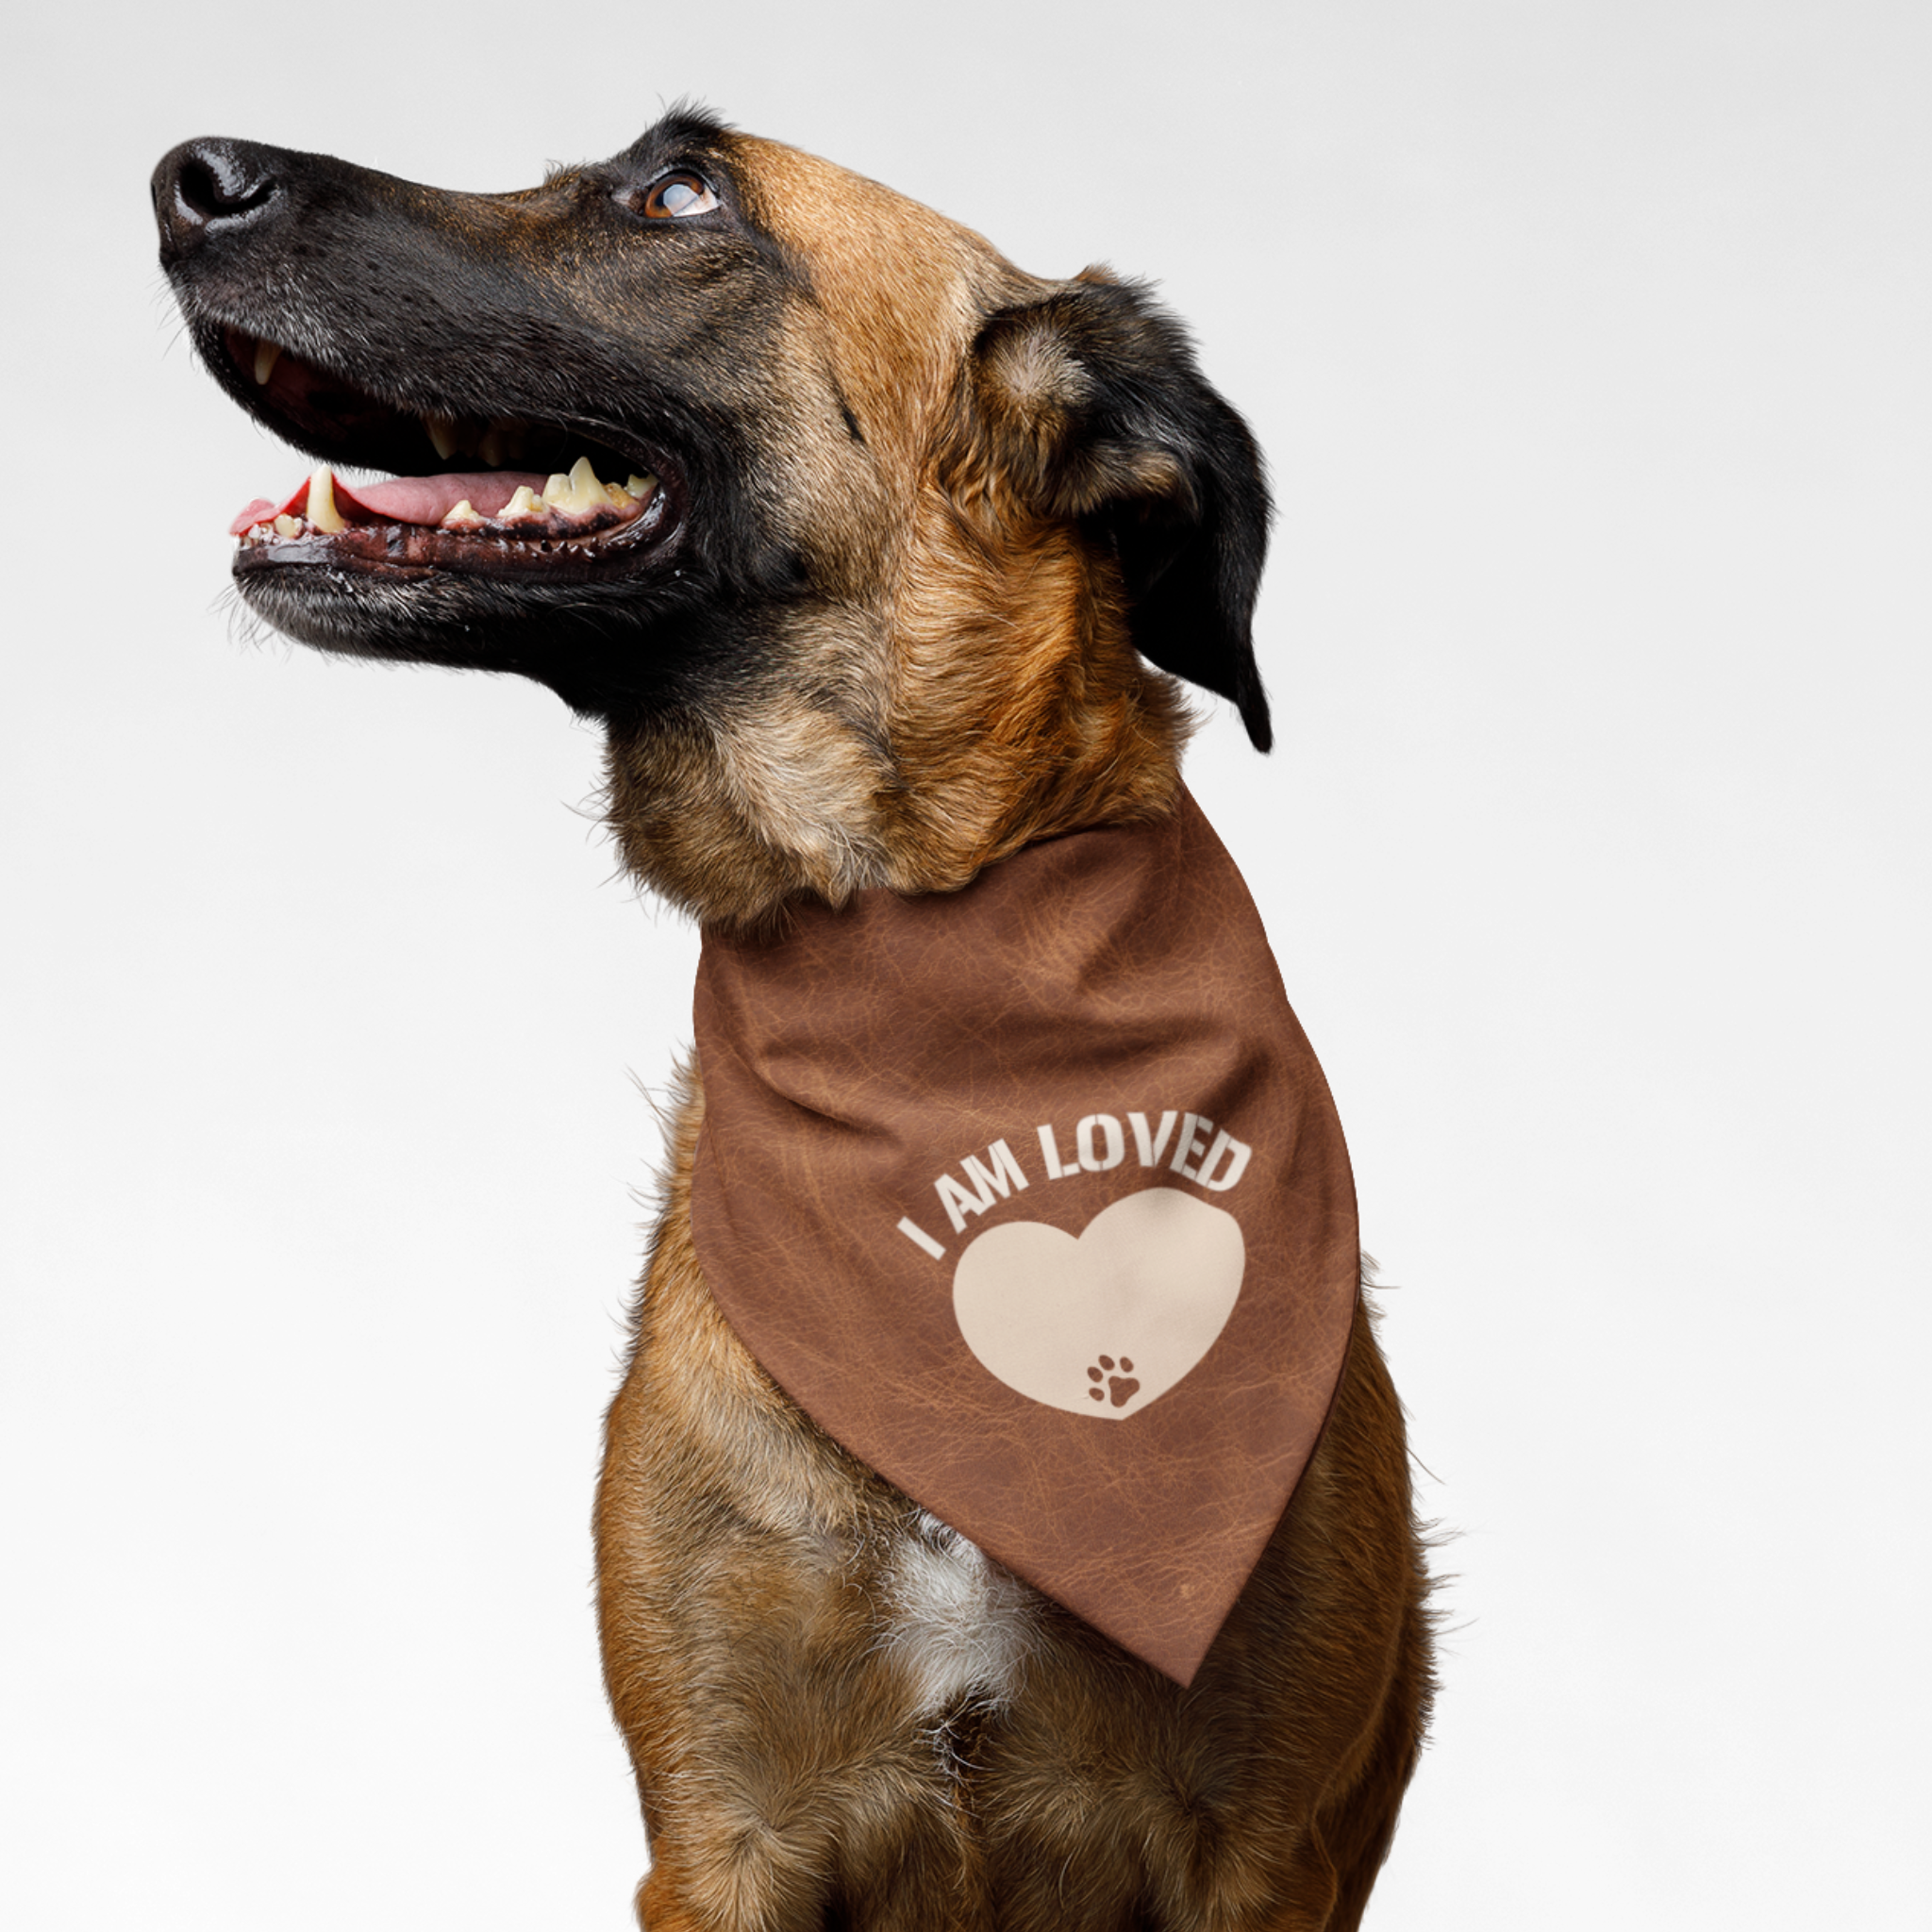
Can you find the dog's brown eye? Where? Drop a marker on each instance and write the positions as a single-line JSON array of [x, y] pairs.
[[676, 194]]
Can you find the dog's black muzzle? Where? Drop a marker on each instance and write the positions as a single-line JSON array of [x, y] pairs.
[[386, 326]]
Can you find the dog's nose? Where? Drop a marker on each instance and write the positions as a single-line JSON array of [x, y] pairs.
[[212, 187]]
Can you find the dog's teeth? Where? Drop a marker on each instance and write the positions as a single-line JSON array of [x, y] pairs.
[[578, 490], [465, 513], [322, 503], [288, 527], [266, 355], [442, 435], [524, 504], [585, 492], [641, 486], [490, 447]]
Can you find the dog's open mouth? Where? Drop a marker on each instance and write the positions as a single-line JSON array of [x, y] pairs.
[[528, 496]]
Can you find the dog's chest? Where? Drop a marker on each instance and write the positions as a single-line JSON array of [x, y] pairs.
[[957, 1624]]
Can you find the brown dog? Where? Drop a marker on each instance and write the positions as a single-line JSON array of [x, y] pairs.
[[901, 532]]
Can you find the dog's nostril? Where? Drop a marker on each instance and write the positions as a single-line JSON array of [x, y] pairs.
[[216, 182], [206, 184]]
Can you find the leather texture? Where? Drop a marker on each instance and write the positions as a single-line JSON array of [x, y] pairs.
[[1034, 1197]]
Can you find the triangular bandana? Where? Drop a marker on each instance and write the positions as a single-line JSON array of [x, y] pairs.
[[1034, 1197]]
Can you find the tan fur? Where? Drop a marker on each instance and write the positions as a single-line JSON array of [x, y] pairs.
[[973, 689]]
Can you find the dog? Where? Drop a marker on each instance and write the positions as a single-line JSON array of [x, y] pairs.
[[879, 560]]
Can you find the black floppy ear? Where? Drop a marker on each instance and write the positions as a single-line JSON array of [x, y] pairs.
[[1092, 409]]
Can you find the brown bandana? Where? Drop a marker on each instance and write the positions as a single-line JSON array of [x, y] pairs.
[[1034, 1197]]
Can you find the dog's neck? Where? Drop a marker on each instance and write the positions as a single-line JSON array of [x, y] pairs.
[[909, 748]]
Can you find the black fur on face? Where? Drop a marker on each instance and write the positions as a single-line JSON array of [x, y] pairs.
[[592, 326]]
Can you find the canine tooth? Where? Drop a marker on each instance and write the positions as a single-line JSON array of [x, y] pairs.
[[490, 447], [442, 435], [465, 512], [288, 527], [557, 491], [524, 504], [322, 503], [266, 355], [641, 486]]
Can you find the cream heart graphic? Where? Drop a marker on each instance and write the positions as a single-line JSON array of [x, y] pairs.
[[1120, 1312]]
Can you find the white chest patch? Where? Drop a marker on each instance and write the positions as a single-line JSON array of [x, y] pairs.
[[959, 1623]]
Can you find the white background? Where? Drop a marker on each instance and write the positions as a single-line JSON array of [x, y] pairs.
[[1590, 345]]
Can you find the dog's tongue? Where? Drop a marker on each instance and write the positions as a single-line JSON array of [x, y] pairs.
[[429, 499], [424, 500]]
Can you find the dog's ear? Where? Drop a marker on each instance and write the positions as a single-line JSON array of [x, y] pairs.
[[1087, 405]]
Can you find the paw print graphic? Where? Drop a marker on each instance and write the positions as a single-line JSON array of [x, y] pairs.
[[1121, 1388]]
